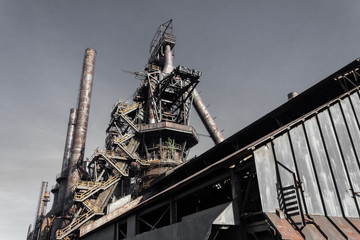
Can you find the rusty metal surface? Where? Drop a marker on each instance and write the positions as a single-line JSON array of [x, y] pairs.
[[283, 227], [327, 227], [59, 201], [312, 233], [170, 126], [355, 222], [206, 118], [345, 227], [111, 216], [41, 206], [82, 119], [168, 65], [151, 110], [69, 139]]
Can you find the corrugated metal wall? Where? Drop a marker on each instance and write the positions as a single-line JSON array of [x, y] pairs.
[[323, 151]]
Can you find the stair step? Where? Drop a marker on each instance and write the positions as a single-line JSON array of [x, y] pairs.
[[291, 203], [289, 198], [289, 193]]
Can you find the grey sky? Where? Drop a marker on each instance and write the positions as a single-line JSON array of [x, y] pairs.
[[252, 53]]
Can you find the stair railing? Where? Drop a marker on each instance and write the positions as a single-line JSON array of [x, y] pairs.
[[298, 187]]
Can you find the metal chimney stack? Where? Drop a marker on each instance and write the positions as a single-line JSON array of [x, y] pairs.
[[58, 203], [41, 207], [78, 148], [69, 139]]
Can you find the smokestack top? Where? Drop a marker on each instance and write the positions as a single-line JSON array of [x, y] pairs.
[[292, 95], [72, 117], [91, 49]]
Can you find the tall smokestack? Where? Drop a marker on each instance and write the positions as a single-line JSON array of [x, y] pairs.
[[58, 204], [82, 118], [69, 139], [206, 118], [42, 201], [66, 158]]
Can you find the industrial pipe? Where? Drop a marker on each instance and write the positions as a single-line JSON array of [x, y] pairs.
[[168, 65], [82, 118], [41, 209], [206, 118], [58, 203], [152, 86], [41, 204], [69, 139], [167, 68]]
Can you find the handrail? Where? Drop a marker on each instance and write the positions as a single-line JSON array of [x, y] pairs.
[[125, 137], [131, 123], [297, 185], [129, 108], [113, 163], [103, 185], [91, 206], [72, 226]]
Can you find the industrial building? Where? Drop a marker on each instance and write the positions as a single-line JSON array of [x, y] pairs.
[[292, 174]]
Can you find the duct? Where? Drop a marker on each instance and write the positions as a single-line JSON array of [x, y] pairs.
[[206, 118], [168, 65], [82, 117]]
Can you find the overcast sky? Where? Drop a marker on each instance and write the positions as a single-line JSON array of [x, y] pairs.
[[252, 53]]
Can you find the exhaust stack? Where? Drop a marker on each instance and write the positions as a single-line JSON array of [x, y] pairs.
[[82, 118], [41, 209], [58, 205], [43, 199]]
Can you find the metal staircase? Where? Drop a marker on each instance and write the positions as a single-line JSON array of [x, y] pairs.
[[83, 195], [63, 233], [120, 166]]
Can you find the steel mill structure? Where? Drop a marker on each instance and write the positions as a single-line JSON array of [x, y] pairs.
[[292, 174]]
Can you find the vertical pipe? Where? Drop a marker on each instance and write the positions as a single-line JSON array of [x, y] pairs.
[[69, 139], [40, 209], [82, 117], [168, 65], [59, 198], [150, 101], [66, 159], [206, 118]]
